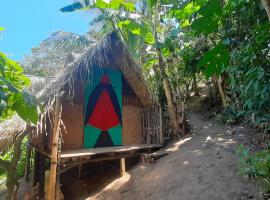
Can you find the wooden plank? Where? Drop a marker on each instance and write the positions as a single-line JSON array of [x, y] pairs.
[[107, 150], [54, 158], [122, 166]]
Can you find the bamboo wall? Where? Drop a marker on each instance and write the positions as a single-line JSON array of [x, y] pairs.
[[132, 126], [152, 125]]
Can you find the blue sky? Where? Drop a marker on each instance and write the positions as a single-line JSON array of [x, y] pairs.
[[28, 22]]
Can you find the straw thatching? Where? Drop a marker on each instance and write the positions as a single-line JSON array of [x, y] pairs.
[[109, 52]]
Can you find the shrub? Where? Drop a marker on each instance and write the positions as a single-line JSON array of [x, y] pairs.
[[255, 166]]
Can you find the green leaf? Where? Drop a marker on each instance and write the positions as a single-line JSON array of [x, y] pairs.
[[185, 12], [115, 5], [26, 107], [210, 17], [215, 61], [2, 28], [149, 38], [166, 51], [211, 8], [129, 6], [150, 63], [151, 3], [130, 26], [205, 25]]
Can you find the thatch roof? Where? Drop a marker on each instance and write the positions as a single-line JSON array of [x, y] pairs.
[[9, 131], [108, 52]]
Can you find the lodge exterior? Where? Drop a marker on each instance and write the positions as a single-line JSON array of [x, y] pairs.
[[99, 109]]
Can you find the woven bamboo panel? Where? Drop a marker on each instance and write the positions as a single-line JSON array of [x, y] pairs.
[[72, 116], [132, 126]]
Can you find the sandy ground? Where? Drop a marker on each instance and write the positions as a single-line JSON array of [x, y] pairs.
[[201, 166]]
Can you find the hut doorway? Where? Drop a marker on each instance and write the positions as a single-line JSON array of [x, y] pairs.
[[103, 109]]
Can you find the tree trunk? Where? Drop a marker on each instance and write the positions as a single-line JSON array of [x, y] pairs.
[[195, 85], [171, 107], [221, 92], [187, 84], [266, 5]]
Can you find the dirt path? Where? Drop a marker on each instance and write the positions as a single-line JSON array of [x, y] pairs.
[[202, 166]]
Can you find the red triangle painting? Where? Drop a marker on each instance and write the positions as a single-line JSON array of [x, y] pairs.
[[104, 116]]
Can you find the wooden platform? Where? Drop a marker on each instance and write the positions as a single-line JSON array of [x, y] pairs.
[[108, 150]]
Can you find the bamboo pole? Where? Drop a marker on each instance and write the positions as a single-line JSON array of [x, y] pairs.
[[54, 158]]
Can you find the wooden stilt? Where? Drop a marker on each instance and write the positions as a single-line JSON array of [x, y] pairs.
[[41, 176], [122, 166], [27, 164], [80, 169], [35, 168], [54, 158]]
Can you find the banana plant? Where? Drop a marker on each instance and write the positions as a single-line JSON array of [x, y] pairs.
[[14, 98]]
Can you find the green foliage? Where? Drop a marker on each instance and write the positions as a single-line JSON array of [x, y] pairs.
[[255, 165], [13, 97], [228, 116], [215, 61], [25, 105], [1, 28]]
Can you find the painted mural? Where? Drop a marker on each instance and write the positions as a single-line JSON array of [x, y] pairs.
[[103, 110]]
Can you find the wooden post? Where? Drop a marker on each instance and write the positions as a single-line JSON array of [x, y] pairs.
[[80, 168], [27, 163], [35, 168], [122, 166], [54, 158], [160, 126], [41, 176]]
